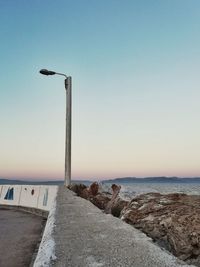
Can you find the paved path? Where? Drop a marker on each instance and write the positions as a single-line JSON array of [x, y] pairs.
[[86, 237], [19, 235]]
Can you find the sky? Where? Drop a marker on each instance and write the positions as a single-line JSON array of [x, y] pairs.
[[135, 74]]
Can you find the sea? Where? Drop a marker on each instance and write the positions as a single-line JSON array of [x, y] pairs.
[[130, 190]]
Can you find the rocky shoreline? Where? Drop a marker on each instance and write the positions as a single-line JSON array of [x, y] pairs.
[[171, 220]]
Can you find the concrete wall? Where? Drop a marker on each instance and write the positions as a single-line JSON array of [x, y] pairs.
[[34, 196]]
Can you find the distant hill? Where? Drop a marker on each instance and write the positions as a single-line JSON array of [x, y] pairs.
[[20, 182], [53, 182], [161, 179]]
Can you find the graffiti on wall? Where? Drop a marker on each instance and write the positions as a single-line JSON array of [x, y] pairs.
[[35, 196], [10, 194], [45, 199]]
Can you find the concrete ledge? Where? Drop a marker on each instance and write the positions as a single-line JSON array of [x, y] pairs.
[[86, 237], [46, 251], [35, 211]]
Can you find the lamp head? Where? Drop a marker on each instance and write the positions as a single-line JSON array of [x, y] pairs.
[[47, 72]]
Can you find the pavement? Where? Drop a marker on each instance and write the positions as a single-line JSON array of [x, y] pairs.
[[20, 233], [86, 237]]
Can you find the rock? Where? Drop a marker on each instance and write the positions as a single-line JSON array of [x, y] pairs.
[[172, 220], [92, 194], [101, 200], [115, 193], [116, 204], [110, 203], [77, 188], [83, 191], [93, 189]]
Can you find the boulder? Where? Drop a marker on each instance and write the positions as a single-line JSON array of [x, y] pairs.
[[110, 203], [77, 188], [172, 220], [91, 193], [116, 204]]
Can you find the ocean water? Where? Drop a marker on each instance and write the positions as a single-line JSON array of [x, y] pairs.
[[131, 190]]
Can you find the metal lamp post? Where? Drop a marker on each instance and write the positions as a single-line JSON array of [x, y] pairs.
[[68, 87]]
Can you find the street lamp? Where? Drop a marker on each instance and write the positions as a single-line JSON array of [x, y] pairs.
[[68, 87]]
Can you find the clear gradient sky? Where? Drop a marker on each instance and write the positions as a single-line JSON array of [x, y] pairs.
[[136, 87]]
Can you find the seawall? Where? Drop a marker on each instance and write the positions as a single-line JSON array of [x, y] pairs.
[[78, 234], [83, 236]]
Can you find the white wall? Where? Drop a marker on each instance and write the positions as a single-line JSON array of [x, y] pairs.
[[34, 196]]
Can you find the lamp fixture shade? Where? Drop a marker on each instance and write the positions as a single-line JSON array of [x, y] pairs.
[[47, 72]]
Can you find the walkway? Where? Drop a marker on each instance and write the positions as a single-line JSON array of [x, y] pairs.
[[86, 237], [19, 234]]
